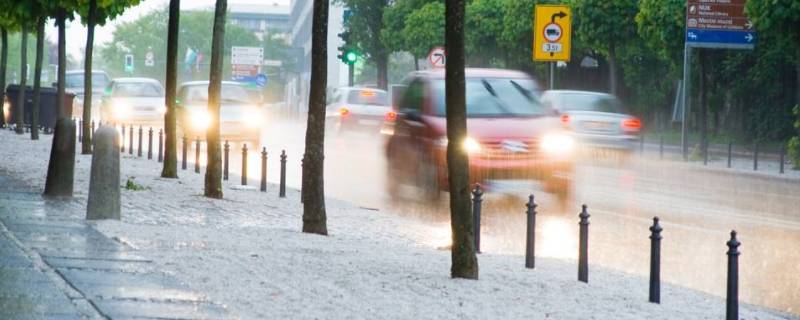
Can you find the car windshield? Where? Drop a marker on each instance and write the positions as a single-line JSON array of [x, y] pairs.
[[230, 93], [75, 80], [368, 97], [137, 89], [587, 102], [496, 97]]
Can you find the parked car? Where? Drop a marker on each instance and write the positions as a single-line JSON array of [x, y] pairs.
[[511, 135], [136, 101], [597, 120], [240, 114], [73, 82], [353, 109]]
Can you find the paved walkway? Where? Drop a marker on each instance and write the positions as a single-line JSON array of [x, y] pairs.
[[55, 266]]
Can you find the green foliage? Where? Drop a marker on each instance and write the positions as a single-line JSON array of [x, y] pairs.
[[484, 21], [661, 24], [604, 24], [794, 142], [424, 29], [365, 25], [106, 10], [131, 184]]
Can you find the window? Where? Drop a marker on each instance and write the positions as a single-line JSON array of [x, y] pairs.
[[230, 93], [587, 102], [368, 97], [413, 97], [137, 89], [495, 97]]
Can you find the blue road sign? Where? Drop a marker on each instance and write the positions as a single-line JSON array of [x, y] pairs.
[[720, 38], [261, 80]]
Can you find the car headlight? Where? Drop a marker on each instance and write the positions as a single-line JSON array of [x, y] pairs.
[[200, 119], [252, 116], [120, 110], [558, 144], [471, 145]]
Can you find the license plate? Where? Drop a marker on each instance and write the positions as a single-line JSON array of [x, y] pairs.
[[596, 125], [368, 122]]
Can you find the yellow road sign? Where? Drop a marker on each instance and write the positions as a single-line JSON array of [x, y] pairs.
[[552, 33]]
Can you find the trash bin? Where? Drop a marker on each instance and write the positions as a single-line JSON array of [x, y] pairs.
[[48, 112]]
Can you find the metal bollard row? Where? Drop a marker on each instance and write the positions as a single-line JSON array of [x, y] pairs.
[[282, 189], [477, 199]]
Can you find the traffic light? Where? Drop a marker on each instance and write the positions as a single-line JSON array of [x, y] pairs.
[[350, 57], [347, 54]]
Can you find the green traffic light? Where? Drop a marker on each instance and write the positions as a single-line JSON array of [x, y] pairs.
[[351, 57]]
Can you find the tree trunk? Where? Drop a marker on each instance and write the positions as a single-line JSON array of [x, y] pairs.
[[612, 68], [213, 187], [382, 63], [61, 167], [37, 78], [170, 169], [464, 262], [86, 146], [314, 216], [416, 63], [3, 66], [19, 111], [796, 75]]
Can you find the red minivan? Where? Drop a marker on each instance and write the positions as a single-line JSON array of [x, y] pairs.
[[511, 135]]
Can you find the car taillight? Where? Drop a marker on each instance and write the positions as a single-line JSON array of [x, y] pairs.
[[632, 124], [343, 111], [565, 119], [390, 116]]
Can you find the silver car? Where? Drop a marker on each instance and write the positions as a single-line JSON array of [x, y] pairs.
[[352, 108], [596, 119], [73, 83], [137, 101]]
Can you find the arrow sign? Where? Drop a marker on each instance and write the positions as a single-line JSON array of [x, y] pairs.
[[749, 37], [560, 14]]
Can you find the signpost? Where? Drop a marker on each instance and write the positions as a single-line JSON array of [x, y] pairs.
[[129, 63], [246, 64], [437, 57], [149, 59], [552, 35], [712, 24]]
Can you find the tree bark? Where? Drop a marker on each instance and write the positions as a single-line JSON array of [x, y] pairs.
[[213, 186], [170, 169], [464, 262], [416, 63], [612, 68], [61, 167], [86, 145], [382, 63], [19, 111], [37, 78], [3, 66], [314, 215]]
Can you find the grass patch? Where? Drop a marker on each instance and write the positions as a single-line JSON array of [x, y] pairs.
[[132, 185]]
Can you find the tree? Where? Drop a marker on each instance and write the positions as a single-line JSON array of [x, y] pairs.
[[464, 262], [170, 169], [3, 65], [780, 19], [365, 25], [314, 216], [213, 185], [606, 25], [94, 13], [424, 29], [484, 23], [19, 111], [394, 23], [37, 76]]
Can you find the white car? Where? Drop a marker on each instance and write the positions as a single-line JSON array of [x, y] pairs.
[[135, 101], [352, 108]]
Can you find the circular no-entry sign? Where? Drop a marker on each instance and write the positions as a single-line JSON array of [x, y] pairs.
[[552, 32]]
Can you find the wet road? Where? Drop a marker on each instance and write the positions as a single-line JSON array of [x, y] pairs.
[[698, 208]]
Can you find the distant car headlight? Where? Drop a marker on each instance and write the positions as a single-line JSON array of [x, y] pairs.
[[558, 144], [120, 110], [200, 119], [252, 116], [471, 145]]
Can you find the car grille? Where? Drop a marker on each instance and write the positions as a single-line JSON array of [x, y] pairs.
[[509, 149]]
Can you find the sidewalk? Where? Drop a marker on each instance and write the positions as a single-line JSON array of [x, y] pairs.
[[246, 253]]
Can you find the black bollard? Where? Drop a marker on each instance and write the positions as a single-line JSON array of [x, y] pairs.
[[150, 144], [782, 158], [160, 145], [197, 155], [282, 192], [244, 164], [130, 145], [661, 148], [655, 262], [732, 303], [225, 165], [583, 247], [185, 146], [263, 169], [530, 236], [80, 131], [477, 199], [122, 143], [755, 156], [730, 151], [139, 151]]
